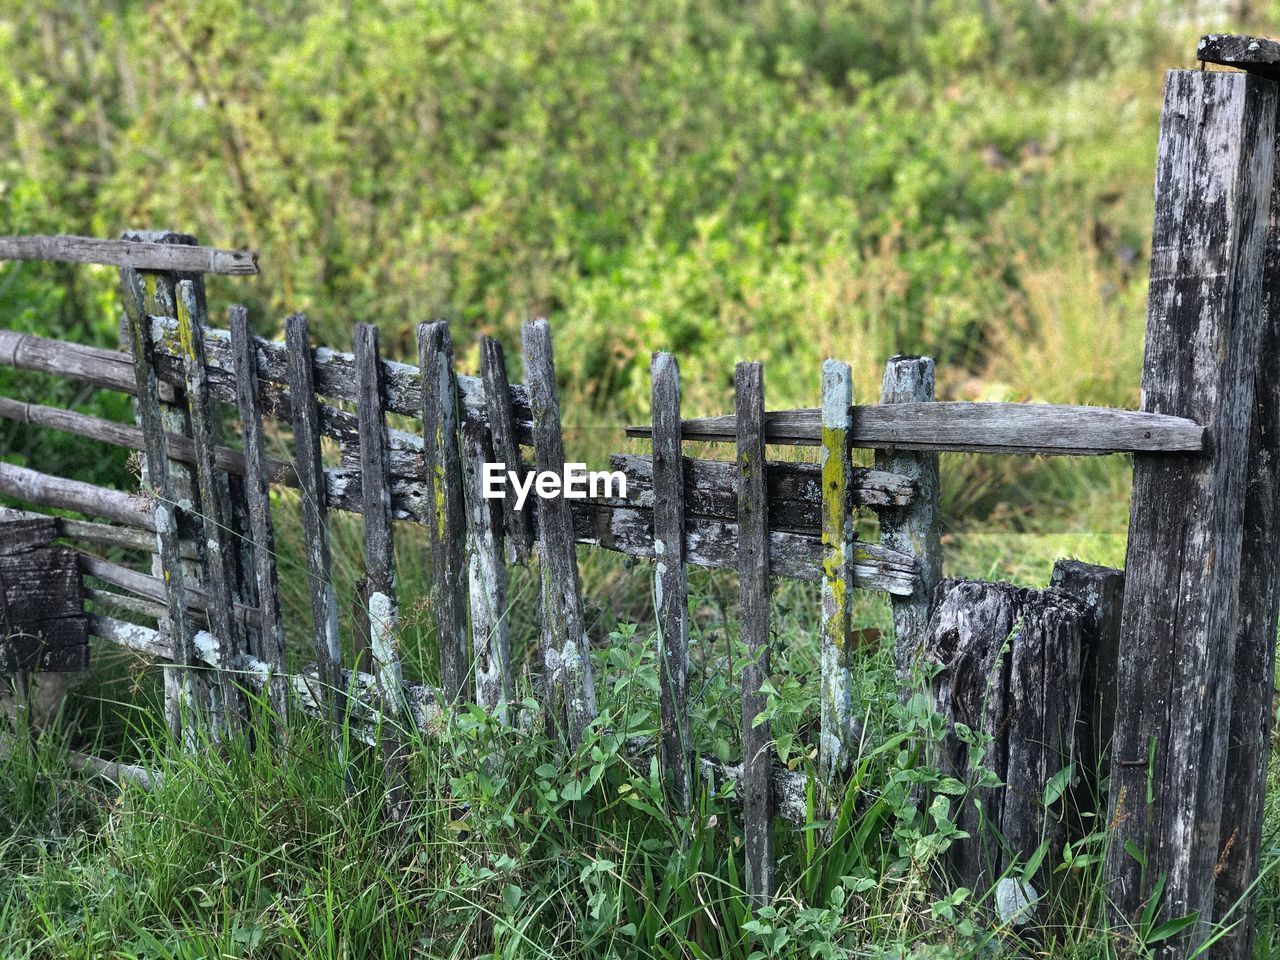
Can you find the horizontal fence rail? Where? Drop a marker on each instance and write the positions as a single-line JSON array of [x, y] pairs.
[[139, 255]]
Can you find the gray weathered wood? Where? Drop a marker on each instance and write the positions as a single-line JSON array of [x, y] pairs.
[[45, 490], [153, 588], [42, 618], [380, 562], [123, 253], [917, 528], [1021, 428], [215, 506], [714, 543], [257, 473], [754, 630], [486, 576], [446, 506], [566, 661], [836, 739], [795, 489], [1258, 55], [108, 369], [1177, 646], [670, 584], [184, 708], [315, 518], [517, 524]]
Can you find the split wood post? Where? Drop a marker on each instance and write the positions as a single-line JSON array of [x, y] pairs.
[[670, 582], [1177, 647], [754, 628], [315, 521], [257, 489], [380, 560], [570, 683], [517, 525], [159, 298], [215, 514], [1253, 692], [183, 706], [916, 528], [839, 541], [446, 507], [486, 573]]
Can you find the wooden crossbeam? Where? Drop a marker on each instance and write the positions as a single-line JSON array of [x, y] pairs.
[[129, 253]]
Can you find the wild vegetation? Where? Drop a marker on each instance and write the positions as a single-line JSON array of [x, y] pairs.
[[783, 181]]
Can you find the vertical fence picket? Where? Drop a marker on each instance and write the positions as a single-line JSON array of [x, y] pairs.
[[215, 513], [315, 518], [670, 584], [181, 629], [754, 620], [916, 528], [257, 493], [446, 510], [486, 573], [838, 545], [569, 681], [517, 535], [379, 558]]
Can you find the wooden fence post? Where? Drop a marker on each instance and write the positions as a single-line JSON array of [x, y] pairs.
[[517, 528], [1177, 649], [839, 541], [446, 506], [257, 488], [670, 583], [754, 628], [315, 520], [916, 528], [569, 680]]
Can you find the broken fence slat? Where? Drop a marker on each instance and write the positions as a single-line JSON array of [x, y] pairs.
[[566, 658], [670, 585], [129, 253], [445, 506], [754, 626]]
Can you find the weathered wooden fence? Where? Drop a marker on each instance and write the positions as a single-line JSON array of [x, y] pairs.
[[1165, 672]]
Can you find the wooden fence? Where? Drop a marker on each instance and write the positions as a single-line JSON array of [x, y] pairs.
[[1173, 671]]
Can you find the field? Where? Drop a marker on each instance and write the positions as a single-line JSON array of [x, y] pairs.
[[782, 181]]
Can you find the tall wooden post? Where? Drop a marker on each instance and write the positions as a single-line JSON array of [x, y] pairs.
[[1177, 647]]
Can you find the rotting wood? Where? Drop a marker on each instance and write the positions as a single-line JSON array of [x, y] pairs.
[[754, 629], [670, 584], [257, 490], [1257, 55], [1177, 645], [42, 622], [315, 519], [917, 528], [566, 661], [517, 524], [1022, 428], [446, 506], [837, 736], [125, 253], [380, 564]]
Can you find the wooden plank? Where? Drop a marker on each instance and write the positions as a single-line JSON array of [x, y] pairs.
[[1177, 647], [257, 488], [182, 692], [486, 576], [215, 513], [123, 253], [670, 583], [446, 508], [837, 736], [566, 659], [380, 563], [915, 529], [315, 519], [754, 630], [1258, 55], [45, 490], [517, 524], [107, 369], [1037, 429], [153, 588], [1240, 835], [42, 620], [714, 543], [795, 489]]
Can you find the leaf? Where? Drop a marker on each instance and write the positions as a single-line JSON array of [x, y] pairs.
[[1057, 785], [511, 896], [1135, 851], [1171, 927]]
